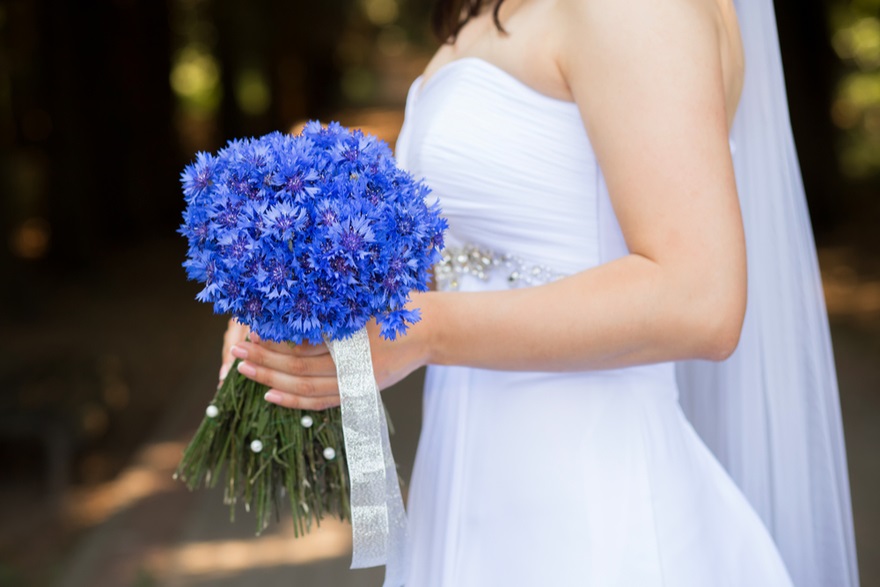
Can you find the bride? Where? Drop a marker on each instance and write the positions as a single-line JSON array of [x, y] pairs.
[[582, 152]]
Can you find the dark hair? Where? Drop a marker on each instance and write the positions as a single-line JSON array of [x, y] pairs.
[[450, 16]]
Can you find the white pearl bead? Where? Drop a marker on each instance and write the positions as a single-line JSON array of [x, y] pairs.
[[306, 421], [329, 453], [212, 411], [256, 446]]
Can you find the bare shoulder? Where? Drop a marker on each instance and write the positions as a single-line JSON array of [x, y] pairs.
[[634, 23], [587, 12], [643, 34]]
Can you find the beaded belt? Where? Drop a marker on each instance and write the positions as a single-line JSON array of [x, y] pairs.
[[483, 263]]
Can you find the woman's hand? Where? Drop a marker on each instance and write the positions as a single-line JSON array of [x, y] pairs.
[[304, 376], [235, 333]]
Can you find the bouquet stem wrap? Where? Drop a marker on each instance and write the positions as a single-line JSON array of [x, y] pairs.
[[378, 519]]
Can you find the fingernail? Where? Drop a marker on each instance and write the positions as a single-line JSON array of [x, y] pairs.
[[238, 352], [246, 370], [273, 397], [224, 371]]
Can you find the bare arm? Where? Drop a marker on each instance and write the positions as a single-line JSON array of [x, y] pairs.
[[647, 79]]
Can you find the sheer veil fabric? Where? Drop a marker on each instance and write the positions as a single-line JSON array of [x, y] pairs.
[[771, 413]]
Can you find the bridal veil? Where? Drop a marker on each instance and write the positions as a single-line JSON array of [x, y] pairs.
[[771, 413]]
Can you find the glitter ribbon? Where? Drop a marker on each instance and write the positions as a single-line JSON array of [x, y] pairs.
[[378, 520]]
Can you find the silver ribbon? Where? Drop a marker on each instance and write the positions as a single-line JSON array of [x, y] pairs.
[[378, 520]]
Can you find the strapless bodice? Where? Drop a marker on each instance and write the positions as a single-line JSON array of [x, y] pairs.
[[513, 169]]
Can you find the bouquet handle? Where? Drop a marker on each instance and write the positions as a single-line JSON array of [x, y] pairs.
[[378, 519]]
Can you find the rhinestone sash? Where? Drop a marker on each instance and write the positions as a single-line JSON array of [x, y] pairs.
[[483, 263]]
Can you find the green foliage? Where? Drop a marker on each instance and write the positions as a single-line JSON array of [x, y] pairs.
[[291, 464], [856, 109]]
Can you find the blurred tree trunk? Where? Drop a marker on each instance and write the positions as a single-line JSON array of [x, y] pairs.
[[293, 44], [106, 65], [810, 73]]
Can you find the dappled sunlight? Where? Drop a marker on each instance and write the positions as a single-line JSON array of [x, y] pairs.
[[850, 298], [149, 474], [850, 293], [217, 558]]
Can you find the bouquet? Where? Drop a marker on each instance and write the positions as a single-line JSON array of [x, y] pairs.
[[305, 239]]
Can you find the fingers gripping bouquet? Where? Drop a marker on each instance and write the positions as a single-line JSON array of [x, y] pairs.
[[305, 239]]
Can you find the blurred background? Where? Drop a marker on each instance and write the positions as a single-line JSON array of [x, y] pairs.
[[106, 361]]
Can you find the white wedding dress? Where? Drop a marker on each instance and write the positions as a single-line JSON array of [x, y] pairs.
[[558, 479]]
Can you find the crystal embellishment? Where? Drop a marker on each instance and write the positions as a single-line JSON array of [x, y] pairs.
[[483, 263]]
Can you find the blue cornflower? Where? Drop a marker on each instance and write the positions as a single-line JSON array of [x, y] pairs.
[[353, 236], [307, 236], [199, 177], [282, 218]]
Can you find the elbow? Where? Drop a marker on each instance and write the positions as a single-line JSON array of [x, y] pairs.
[[719, 325], [721, 343], [719, 331]]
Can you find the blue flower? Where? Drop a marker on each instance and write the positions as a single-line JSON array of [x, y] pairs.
[[282, 219], [308, 236], [199, 177]]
